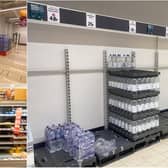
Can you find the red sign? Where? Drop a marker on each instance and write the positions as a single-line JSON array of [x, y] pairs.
[[18, 120]]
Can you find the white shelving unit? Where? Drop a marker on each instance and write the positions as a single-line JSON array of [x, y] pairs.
[[7, 138]]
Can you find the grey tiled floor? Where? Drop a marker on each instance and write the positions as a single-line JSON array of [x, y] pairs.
[[155, 155]]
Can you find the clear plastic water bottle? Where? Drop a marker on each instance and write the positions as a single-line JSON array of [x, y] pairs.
[[134, 129], [114, 60], [134, 106]]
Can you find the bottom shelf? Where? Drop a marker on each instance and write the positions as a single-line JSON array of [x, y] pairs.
[[124, 147], [58, 159], [134, 137]]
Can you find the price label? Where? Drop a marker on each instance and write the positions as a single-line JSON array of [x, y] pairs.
[[166, 31], [132, 26], [53, 14], [90, 20]]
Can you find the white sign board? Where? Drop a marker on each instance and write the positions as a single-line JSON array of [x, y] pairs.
[[90, 20], [53, 14], [166, 31], [132, 26]]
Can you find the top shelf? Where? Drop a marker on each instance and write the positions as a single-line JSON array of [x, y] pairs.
[[46, 23], [42, 14]]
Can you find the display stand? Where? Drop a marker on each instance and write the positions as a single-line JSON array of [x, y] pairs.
[[132, 101], [126, 142], [10, 144]]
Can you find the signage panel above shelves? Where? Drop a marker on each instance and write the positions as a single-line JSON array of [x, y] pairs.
[[112, 23], [72, 17], [38, 11]]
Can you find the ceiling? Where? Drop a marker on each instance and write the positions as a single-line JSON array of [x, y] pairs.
[[155, 12], [10, 4], [8, 9]]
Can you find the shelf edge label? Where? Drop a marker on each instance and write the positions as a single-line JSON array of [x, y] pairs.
[[91, 20], [132, 26], [53, 14]]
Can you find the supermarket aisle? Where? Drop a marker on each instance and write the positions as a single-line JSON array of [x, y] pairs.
[[13, 66], [153, 156]]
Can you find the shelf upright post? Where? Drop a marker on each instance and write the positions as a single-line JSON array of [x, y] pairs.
[[156, 63], [105, 89], [67, 79]]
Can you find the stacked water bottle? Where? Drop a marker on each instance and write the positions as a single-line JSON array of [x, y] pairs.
[[134, 106], [134, 84], [72, 139], [120, 60], [132, 92], [135, 127]]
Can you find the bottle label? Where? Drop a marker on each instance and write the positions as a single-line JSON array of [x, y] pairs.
[[134, 109]]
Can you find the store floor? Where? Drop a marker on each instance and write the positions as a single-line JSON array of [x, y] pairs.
[[13, 66], [153, 156]]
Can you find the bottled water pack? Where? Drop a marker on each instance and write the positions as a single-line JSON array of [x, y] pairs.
[[72, 139], [104, 147], [135, 127], [120, 60], [134, 106], [135, 84], [54, 138]]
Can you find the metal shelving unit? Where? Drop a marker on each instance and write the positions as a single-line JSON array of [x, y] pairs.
[[8, 140], [119, 118]]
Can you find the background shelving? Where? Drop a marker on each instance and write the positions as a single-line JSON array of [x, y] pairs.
[[11, 144]]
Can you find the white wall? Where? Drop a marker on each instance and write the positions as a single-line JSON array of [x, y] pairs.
[[163, 61], [3, 25], [23, 33], [5, 28], [47, 93], [46, 52]]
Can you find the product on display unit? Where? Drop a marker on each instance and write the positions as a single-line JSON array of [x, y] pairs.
[[104, 147], [72, 139], [132, 97], [14, 94], [11, 141], [5, 44]]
